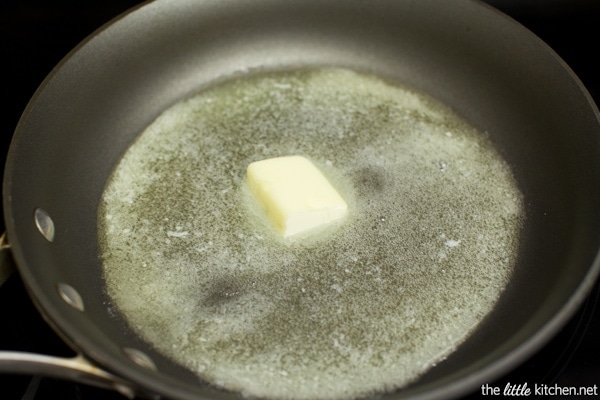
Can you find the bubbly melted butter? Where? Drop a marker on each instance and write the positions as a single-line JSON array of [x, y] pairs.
[[363, 306]]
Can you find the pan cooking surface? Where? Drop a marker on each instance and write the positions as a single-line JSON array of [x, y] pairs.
[[362, 306]]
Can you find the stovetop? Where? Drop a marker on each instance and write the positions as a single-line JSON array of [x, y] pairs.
[[37, 34]]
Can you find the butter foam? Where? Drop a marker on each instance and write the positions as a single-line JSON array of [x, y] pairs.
[[361, 308]]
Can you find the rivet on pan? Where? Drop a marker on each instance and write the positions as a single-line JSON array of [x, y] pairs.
[[44, 224], [139, 358], [70, 296]]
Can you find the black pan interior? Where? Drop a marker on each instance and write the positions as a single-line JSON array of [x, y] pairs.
[[489, 69]]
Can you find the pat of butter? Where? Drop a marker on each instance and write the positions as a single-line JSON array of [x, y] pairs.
[[294, 194]]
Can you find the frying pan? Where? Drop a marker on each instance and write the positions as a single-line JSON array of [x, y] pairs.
[[489, 69]]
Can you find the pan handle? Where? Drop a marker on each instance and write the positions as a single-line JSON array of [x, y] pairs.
[[76, 369]]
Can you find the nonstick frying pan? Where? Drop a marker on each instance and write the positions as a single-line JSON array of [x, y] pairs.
[[490, 70]]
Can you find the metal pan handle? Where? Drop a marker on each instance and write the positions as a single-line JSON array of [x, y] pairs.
[[76, 369]]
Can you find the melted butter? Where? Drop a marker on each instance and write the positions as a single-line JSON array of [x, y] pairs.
[[362, 307]]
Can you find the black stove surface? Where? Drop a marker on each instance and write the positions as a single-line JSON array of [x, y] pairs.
[[36, 35]]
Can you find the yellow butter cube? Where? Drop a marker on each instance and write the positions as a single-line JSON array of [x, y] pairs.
[[294, 194]]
